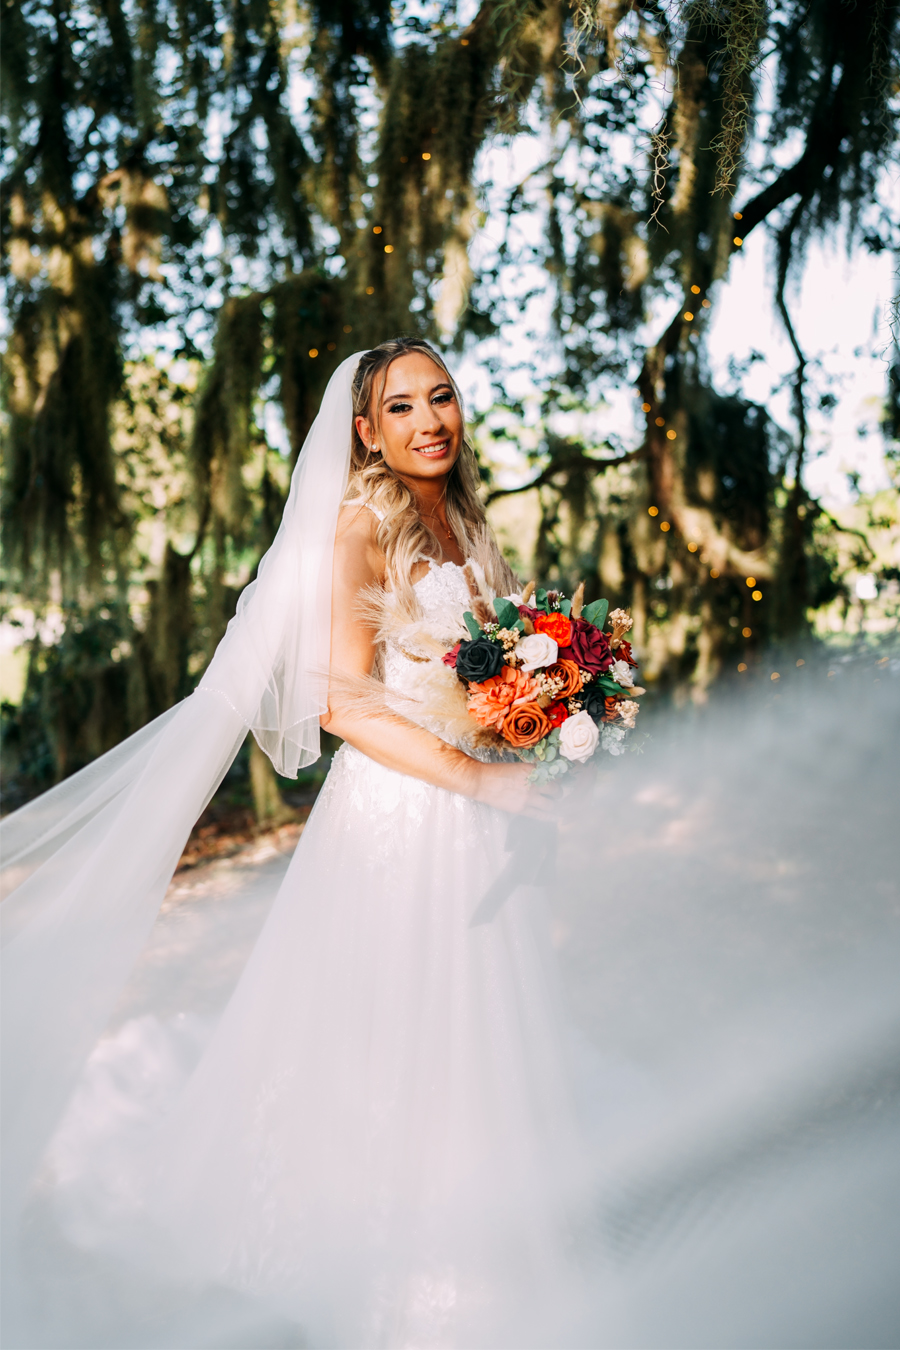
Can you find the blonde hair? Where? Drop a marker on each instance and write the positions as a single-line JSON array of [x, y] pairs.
[[403, 536]]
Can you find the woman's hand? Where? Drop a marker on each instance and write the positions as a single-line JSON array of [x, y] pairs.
[[505, 787]]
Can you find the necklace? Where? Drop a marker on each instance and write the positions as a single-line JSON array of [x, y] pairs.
[[435, 520]]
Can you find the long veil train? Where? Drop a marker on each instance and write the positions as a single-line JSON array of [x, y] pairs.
[[86, 865]]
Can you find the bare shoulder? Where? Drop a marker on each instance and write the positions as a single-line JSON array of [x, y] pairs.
[[357, 557]]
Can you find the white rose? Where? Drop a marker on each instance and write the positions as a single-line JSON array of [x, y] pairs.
[[620, 671], [578, 737], [536, 650], [514, 600]]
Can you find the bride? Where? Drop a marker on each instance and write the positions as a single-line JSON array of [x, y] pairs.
[[378, 1146]]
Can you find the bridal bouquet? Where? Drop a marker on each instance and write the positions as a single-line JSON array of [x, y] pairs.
[[544, 677]]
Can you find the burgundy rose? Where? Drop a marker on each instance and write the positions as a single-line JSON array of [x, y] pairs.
[[624, 653], [589, 648], [449, 658], [526, 612]]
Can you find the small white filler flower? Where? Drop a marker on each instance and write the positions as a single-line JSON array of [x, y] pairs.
[[578, 737]]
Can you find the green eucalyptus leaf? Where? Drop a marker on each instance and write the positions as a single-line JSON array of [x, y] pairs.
[[596, 612], [473, 626], [540, 600], [507, 614], [565, 607]]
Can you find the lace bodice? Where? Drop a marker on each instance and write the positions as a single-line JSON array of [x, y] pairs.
[[443, 596]]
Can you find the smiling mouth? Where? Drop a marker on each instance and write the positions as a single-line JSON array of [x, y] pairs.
[[435, 451]]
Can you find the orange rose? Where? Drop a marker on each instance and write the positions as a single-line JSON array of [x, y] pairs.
[[525, 724], [555, 625], [490, 700], [568, 672]]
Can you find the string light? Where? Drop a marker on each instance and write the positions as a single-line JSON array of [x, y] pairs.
[[714, 573], [652, 510], [751, 581], [665, 526], [692, 547], [746, 632], [695, 290], [756, 595], [738, 216], [370, 290], [331, 346], [742, 666], [348, 327], [389, 248], [707, 304], [774, 675], [800, 663], [464, 42], [670, 435], [688, 315], [376, 229], [404, 159], [737, 242], [425, 155], [314, 351], [645, 407], [660, 421]]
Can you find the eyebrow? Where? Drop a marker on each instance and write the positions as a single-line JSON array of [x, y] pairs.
[[392, 398]]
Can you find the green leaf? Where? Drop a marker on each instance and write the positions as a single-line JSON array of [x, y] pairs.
[[540, 601], [596, 612], [551, 753], [565, 607], [507, 614], [473, 626], [608, 685]]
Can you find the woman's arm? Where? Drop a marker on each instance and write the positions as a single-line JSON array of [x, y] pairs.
[[394, 742]]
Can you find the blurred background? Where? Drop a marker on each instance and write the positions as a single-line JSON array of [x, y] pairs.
[[658, 242]]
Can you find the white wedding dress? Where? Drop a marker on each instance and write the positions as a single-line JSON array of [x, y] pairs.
[[379, 1141]]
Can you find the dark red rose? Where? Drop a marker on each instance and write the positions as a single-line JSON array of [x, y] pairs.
[[589, 648], [449, 658], [526, 612], [624, 653]]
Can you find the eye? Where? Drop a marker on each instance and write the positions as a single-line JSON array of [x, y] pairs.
[[445, 397], [399, 407]]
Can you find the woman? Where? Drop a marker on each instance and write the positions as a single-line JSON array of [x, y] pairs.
[[378, 1143]]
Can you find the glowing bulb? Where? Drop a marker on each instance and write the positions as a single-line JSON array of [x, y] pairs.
[[331, 346], [425, 154], [751, 581], [348, 327], [774, 675], [376, 229], [652, 510], [738, 216], [670, 435], [706, 304], [695, 290], [464, 42], [688, 315], [314, 351], [389, 248], [737, 242], [692, 548], [746, 632], [370, 290], [645, 407], [800, 663], [714, 573], [660, 421], [742, 666], [665, 526], [756, 595]]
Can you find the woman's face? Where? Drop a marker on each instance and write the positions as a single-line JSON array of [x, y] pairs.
[[418, 427]]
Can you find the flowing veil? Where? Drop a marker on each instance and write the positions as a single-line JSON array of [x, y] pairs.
[[86, 865]]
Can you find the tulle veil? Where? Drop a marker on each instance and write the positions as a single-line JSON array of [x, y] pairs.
[[86, 865]]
